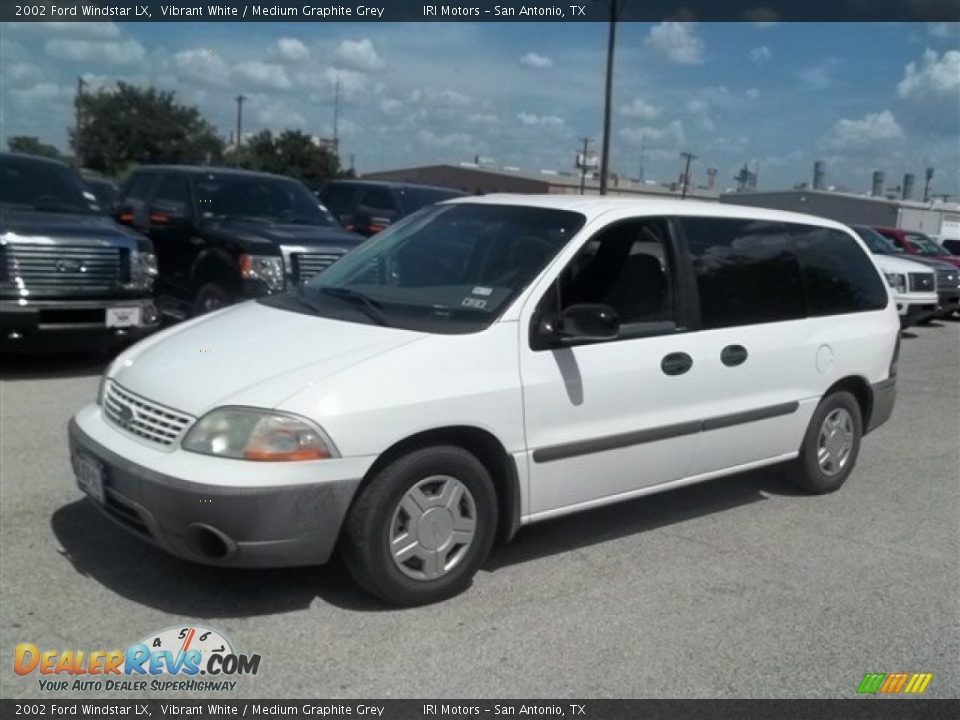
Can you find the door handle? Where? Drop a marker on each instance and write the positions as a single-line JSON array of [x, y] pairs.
[[676, 363], [733, 355]]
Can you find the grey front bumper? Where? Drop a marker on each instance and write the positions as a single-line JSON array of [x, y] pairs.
[[229, 526]]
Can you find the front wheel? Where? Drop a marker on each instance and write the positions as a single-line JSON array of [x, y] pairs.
[[211, 297], [422, 526], [830, 446]]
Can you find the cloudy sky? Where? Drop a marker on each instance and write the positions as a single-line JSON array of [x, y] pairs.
[[861, 97]]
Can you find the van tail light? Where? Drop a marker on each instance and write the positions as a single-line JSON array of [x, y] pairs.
[[125, 217], [158, 218], [896, 358]]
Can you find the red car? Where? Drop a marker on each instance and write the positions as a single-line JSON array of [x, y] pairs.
[[916, 243]]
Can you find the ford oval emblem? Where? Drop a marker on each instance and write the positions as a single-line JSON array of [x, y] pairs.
[[126, 413], [70, 266]]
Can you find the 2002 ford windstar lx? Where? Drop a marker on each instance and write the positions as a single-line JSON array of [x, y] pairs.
[[487, 363]]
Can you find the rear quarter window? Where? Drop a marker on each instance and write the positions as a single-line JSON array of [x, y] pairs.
[[750, 272]]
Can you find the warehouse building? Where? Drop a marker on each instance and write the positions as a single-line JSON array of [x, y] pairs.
[[482, 180]]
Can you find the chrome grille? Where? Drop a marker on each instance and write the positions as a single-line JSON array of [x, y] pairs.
[[142, 417], [306, 265], [49, 267], [948, 279], [921, 282]]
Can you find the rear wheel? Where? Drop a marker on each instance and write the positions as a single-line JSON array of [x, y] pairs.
[[211, 297], [830, 446], [421, 528]]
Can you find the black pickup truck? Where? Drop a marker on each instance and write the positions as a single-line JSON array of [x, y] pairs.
[[223, 235], [70, 278]]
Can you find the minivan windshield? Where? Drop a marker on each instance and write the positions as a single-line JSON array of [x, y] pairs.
[[925, 245], [877, 243], [448, 268], [257, 197], [28, 184]]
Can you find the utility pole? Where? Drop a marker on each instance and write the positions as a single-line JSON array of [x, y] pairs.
[[583, 163], [689, 157], [78, 124], [608, 97], [240, 99], [643, 157], [336, 119]]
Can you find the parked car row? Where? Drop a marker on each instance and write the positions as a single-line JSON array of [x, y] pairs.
[[186, 240]]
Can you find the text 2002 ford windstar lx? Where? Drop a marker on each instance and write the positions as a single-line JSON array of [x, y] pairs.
[[487, 363]]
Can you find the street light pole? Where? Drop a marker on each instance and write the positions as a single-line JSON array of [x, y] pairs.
[[78, 124], [240, 99], [608, 97], [689, 157]]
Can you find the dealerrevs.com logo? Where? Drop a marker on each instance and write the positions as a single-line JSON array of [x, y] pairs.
[[187, 659]]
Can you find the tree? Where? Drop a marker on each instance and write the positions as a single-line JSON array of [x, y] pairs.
[[128, 125], [30, 145], [291, 153]]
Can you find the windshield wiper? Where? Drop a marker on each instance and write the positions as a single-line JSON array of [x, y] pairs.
[[368, 305]]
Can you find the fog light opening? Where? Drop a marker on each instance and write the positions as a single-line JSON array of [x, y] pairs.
[[209, 542]]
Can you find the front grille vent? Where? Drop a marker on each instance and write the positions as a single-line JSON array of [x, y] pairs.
[[141, 417]]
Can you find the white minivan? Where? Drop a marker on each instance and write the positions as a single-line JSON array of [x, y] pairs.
[[487, 363]]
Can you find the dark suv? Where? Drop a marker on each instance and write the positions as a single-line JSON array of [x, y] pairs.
[[368, 206], [224, 235], [69, 276]]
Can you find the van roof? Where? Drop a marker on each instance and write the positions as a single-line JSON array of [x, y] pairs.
[[593, 206]]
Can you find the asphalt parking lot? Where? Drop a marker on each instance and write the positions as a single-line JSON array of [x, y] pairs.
[[734, 588]]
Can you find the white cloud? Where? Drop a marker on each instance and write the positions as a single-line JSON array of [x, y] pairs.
[[390, 106], [944, 29], [871, 128], [20, 72], [483, 119], [114, 52], [268, 75], [81, 30], [359, 55], [440, 98], [292, 50], [819, 76], [671, 134], [640, 110], [544, 121], [43, 96], [761, 55], [536, 62], [752, 93], [677, 42], [700, 109], [458, 141], [936, 76], [202, 65]]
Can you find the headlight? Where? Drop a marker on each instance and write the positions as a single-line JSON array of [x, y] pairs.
[[143, 268], [251, 434], [897, 281], [268, 268]]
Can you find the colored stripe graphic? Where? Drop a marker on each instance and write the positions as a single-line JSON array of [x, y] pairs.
[[894, 683]]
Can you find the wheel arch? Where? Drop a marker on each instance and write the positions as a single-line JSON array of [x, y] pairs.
[[857, 386], [488, 450], [213, 266]]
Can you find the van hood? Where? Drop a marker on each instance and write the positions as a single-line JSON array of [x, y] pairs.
[[248, 354]]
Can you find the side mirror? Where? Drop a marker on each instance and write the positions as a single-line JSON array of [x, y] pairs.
[[585, 322]]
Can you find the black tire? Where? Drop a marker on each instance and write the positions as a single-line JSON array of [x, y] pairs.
[[365, 541], [211, 297], [806, 471]]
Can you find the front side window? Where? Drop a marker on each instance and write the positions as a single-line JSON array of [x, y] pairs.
[[626, 267], [173, 196], [28, 184], [254, 197], [450, 269]]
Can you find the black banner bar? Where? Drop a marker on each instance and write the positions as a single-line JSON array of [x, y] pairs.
[[478, 10], [858, 709]]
